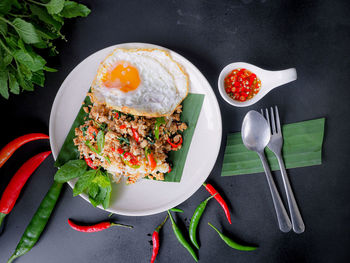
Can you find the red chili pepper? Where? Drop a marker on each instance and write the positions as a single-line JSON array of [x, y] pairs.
[[116, 115], [13, 189], [120, 151], [90, 163], [151, 162], [174, 145], [122, 126], [133, 160], [220, 200], [11, 147], [169, 170], [135, 134], [94, 228], [155, 240]]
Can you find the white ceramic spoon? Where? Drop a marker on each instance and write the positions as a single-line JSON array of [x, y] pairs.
[[269, 81]]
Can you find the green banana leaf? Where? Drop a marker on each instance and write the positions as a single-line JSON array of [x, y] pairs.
[[302, 147], [192, 106]]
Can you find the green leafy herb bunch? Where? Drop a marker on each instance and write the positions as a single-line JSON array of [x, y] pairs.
[[29, 27]]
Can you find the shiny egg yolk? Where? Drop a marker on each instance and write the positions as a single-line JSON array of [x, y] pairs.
[[124, 77]]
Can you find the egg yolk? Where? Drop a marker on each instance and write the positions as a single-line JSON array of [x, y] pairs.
[[124, 77]]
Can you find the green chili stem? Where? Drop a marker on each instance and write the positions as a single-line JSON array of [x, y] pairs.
[[161, 225], [2, 216], [177, 210], [122, 225]]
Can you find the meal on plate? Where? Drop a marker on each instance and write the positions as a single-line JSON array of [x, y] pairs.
[[134, 119]]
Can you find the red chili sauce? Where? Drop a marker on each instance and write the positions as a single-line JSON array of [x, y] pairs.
[[242, 84]]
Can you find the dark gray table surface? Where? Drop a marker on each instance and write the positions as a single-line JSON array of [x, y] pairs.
[[312, 36]]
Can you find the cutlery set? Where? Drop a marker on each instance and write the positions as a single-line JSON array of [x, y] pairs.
[[264, 130]]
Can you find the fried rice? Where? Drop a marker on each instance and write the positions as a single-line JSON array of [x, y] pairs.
[[126, 145]]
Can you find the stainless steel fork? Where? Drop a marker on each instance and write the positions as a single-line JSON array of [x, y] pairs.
[[275, 145]]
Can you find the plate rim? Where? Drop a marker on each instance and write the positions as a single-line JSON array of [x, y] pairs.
[[188, 194]]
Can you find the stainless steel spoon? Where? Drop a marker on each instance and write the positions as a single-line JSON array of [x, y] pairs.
[[256, 135]]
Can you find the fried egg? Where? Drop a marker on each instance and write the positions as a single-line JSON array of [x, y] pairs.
[[145, 82]]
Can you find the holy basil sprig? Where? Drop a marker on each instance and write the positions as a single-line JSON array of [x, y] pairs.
[[95, 183], [25, 27]]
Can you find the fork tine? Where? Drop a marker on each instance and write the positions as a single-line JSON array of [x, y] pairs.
[[262, 112], [267, 117], [278, 124], [273, 124]]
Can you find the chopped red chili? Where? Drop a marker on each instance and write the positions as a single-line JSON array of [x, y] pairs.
[[122, 126], [242, 84], [90, 163], [120, 151], [175, 145], [135, 135]]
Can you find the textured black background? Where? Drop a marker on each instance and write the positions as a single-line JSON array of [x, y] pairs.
[[312, 36]]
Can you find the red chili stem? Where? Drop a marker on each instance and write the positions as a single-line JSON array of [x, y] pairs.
[[11, 147], [220, 200], [94, 228], [155, 240], [17, 182]]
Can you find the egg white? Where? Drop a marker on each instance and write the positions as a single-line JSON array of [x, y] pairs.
[[163, 83]]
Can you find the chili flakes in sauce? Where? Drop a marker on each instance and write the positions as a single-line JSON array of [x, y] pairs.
[[242, 84]]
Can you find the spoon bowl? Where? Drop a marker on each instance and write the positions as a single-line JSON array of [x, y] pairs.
[[255, 131], [269, 81]]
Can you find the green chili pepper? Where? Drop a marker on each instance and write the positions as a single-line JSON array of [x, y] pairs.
[[159, 122], [195, 221], [38, 222], [182, 239], [232, 243]]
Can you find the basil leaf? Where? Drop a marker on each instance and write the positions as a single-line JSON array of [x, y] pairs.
[[123, 140], [100, 197], [23, 57], [92, 148], [101, 180], [107, 199], [71, 169], [93, 190], [5, 6], [72, 9], [3, 27], [13, 84], [26, 31], [3, 84], [84, 182], [39, 78], [100, 138], [44, 16], [55, 6]]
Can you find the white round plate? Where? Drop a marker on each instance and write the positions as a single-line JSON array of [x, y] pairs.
[[146, 197]]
